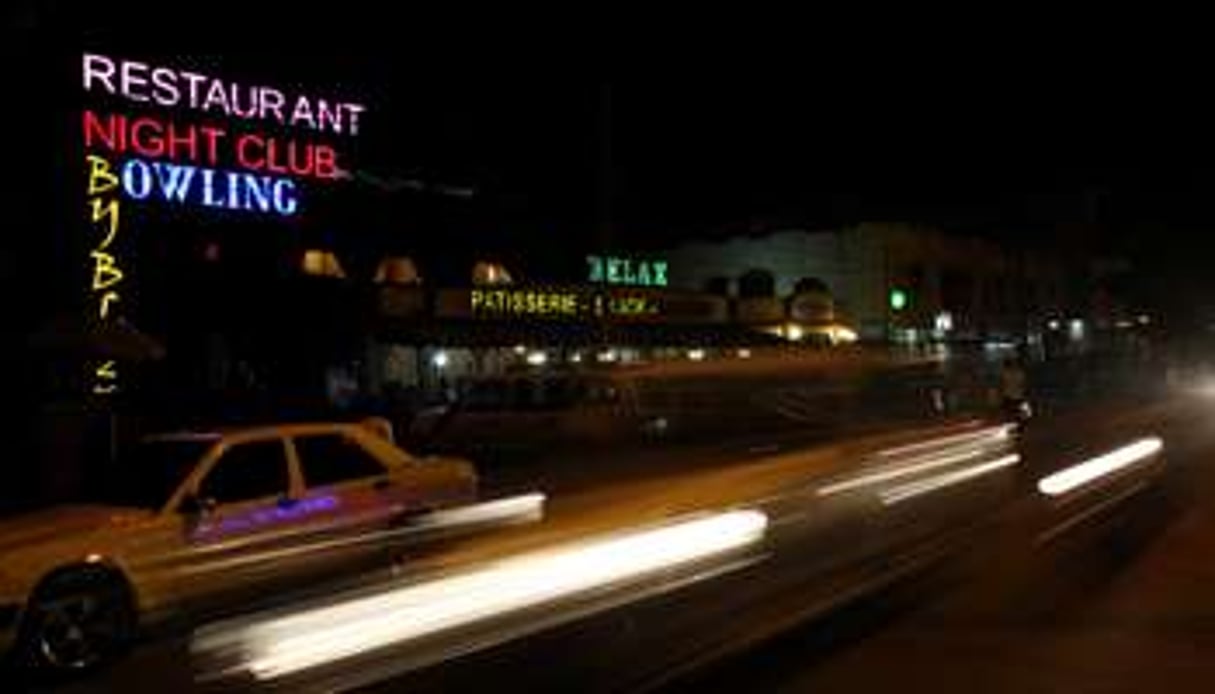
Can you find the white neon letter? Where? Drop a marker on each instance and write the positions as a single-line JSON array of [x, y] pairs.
[[98, 67]]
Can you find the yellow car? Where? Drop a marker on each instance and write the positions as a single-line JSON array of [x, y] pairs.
[[196, 520]]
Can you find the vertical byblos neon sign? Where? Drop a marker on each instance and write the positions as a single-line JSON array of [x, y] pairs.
[[230, 162], [101, 201]]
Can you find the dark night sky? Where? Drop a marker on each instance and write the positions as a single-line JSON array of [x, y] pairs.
[[803, 132]]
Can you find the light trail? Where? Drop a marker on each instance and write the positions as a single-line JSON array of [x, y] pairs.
[[932, 484], [1081, 474], [287, 644]]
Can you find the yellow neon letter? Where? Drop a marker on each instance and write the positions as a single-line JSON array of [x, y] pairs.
[[103, 309], [106, 370], [110, 209], [105, 273], [101, 179]]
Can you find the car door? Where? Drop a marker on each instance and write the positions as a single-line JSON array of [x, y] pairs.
[[353, 488], [243, 526], [368, 504]]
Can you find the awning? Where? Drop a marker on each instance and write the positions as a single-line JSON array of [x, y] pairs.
[[116, 339]]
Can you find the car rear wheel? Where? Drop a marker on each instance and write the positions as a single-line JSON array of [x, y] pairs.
[[77, 619]]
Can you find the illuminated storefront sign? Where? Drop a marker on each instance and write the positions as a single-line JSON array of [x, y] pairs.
[[229, 165], [562, 304], [231, 190], [103, 213], [627, 271], [156, 134], [527, 302]]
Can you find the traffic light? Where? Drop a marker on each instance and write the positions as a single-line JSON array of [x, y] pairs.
[[899, 299]]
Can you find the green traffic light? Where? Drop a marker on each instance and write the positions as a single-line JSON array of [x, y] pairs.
[[899, 299]]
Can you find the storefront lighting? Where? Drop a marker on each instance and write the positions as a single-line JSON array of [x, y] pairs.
[[609, 355], [1075, 329], [321, 263], [439, 360], [490, 273], [537, 358], [943, 322], [744, 353], [397, 270], [840, 334], [696, 354]]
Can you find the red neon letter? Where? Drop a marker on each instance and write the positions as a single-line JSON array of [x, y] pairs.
[[111, 134], [326, 162], [147, 147], [191, 141], [243, 158], [212, 134], [271, 164]]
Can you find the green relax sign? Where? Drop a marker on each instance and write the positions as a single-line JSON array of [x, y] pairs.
[[630, 271]]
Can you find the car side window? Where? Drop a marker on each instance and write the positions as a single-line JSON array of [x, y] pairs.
[[332, 458], [247, 471]]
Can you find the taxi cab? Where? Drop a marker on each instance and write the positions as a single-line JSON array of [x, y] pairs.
[[192, 520]]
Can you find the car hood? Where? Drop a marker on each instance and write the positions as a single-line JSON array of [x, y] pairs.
[[61, 523]]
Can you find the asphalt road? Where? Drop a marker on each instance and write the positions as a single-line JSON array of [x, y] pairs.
[[1125, 604], [820, 553]]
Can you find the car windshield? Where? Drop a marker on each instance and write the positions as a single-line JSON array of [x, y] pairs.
[[151, 470]]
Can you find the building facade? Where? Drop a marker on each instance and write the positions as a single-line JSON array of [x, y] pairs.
[[897, 281]]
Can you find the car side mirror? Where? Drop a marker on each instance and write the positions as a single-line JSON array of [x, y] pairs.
[[195, 505]]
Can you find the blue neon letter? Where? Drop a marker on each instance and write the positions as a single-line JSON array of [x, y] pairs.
[[285, 201], [144, 189]]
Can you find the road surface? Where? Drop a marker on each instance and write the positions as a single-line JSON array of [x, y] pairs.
[[840, 525], [1125, 606]]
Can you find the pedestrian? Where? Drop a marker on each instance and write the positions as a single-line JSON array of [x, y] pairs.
[[1012, 387]]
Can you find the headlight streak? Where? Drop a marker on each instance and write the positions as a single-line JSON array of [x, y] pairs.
[[288, 644], [997, 433], [902, 470], [924, 456], [932, 484], [523, 507], [1092, 469]]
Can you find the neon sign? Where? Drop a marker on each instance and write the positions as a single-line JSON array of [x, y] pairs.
[[103, 210], [526, 302], [226, 189], [627, 271], [170, 88], [562, 304], [230, 164], [226, 166]]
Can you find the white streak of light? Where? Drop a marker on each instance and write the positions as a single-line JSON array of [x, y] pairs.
[[895, 472], [999, 433], [314, 637], [522, 507], [932, 484], [1068, 479]]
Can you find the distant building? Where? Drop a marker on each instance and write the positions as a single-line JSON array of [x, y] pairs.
[[889, 280]]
